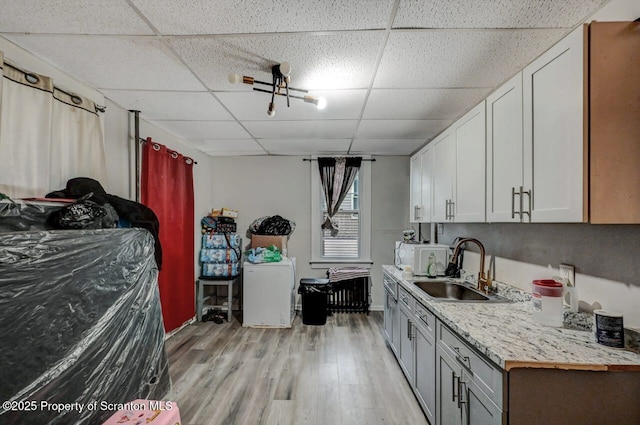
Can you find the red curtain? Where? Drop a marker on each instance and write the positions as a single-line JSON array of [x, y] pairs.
[[167, 188]]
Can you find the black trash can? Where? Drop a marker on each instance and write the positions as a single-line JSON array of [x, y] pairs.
[[314, 300]]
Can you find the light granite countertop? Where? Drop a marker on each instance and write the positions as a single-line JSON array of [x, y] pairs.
[[507, 335]]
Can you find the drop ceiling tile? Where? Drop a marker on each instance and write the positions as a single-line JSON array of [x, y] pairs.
[[318, 129], [112, 62], [163, 105], [229, 147], [341, 104], [71, 17], [422, 103], [256, 16], [494, 13], [400, 129], [386, 146], [305, 146], [204, 129], [318, 61], [459, 58]]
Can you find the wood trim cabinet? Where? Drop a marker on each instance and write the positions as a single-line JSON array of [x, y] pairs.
[[614, 109]]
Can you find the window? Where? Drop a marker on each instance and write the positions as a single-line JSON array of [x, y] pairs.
[[347, 243], [352, 244]]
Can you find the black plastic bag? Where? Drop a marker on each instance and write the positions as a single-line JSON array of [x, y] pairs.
[[84, 214], [274, 225]]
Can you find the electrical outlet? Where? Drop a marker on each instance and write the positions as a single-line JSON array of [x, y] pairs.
[[440, 228], [567, 271]]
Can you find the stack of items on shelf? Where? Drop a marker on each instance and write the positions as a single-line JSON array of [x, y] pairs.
[[269, 237], [220, 253]]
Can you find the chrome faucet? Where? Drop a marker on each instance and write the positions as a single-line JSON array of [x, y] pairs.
[[484, 283]]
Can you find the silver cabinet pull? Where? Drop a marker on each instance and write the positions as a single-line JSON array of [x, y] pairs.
[[409, 329], [454, 377], [520, 194], [449, 210], [513, 203], [465, 361], [461, 391], [452, 207], [528, 213]]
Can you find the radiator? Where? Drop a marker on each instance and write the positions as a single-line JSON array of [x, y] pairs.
[[350, 296]]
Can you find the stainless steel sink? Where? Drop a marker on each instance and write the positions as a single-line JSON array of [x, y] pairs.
[[448, 290]]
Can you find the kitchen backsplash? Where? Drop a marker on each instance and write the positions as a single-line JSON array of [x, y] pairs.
[[605, 251], [593, 292]]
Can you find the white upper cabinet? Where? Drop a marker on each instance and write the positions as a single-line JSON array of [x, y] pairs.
[[415, 195], [420, 195], [426, 162], [442, 177], [504, 152], [469, 185], [554, 139]]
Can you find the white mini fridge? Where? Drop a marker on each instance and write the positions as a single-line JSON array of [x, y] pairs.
[[268, 298]]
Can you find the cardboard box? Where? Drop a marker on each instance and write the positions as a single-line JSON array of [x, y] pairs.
[[268, 240]]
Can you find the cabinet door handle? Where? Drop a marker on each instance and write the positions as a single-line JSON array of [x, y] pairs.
[[461, 391], [453, 209], [528, 213], [454, 377], [409, 329], [416, 213], [463, 360], [513, 203]]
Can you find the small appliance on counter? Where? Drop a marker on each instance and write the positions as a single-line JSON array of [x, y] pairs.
[[416, 256], [547, 302]]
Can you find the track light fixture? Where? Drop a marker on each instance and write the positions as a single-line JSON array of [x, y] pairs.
[[281, 74]]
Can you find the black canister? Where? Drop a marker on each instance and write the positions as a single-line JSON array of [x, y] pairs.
[[609, 328]]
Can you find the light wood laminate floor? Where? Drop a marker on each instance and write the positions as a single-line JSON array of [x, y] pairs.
[[338, 374]]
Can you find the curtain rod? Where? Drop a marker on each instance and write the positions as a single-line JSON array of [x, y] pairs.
[[141, 140], [76, 99], [364, 159]]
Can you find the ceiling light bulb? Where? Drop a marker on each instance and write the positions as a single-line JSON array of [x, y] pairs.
[[235, 78], [272, 109], [285, 69], [320, 102]]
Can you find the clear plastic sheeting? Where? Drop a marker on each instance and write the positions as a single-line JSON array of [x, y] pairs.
[[21, 215], [80, 325]]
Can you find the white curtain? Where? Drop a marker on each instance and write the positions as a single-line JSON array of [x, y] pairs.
[[25, 133], [77, 145], [47, 136]]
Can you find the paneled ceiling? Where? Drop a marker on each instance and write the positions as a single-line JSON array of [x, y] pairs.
[[394, 72]]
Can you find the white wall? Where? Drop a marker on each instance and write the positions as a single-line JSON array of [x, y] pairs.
[[268, 185]]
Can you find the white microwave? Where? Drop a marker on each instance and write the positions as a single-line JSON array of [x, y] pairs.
[[417, 256]]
